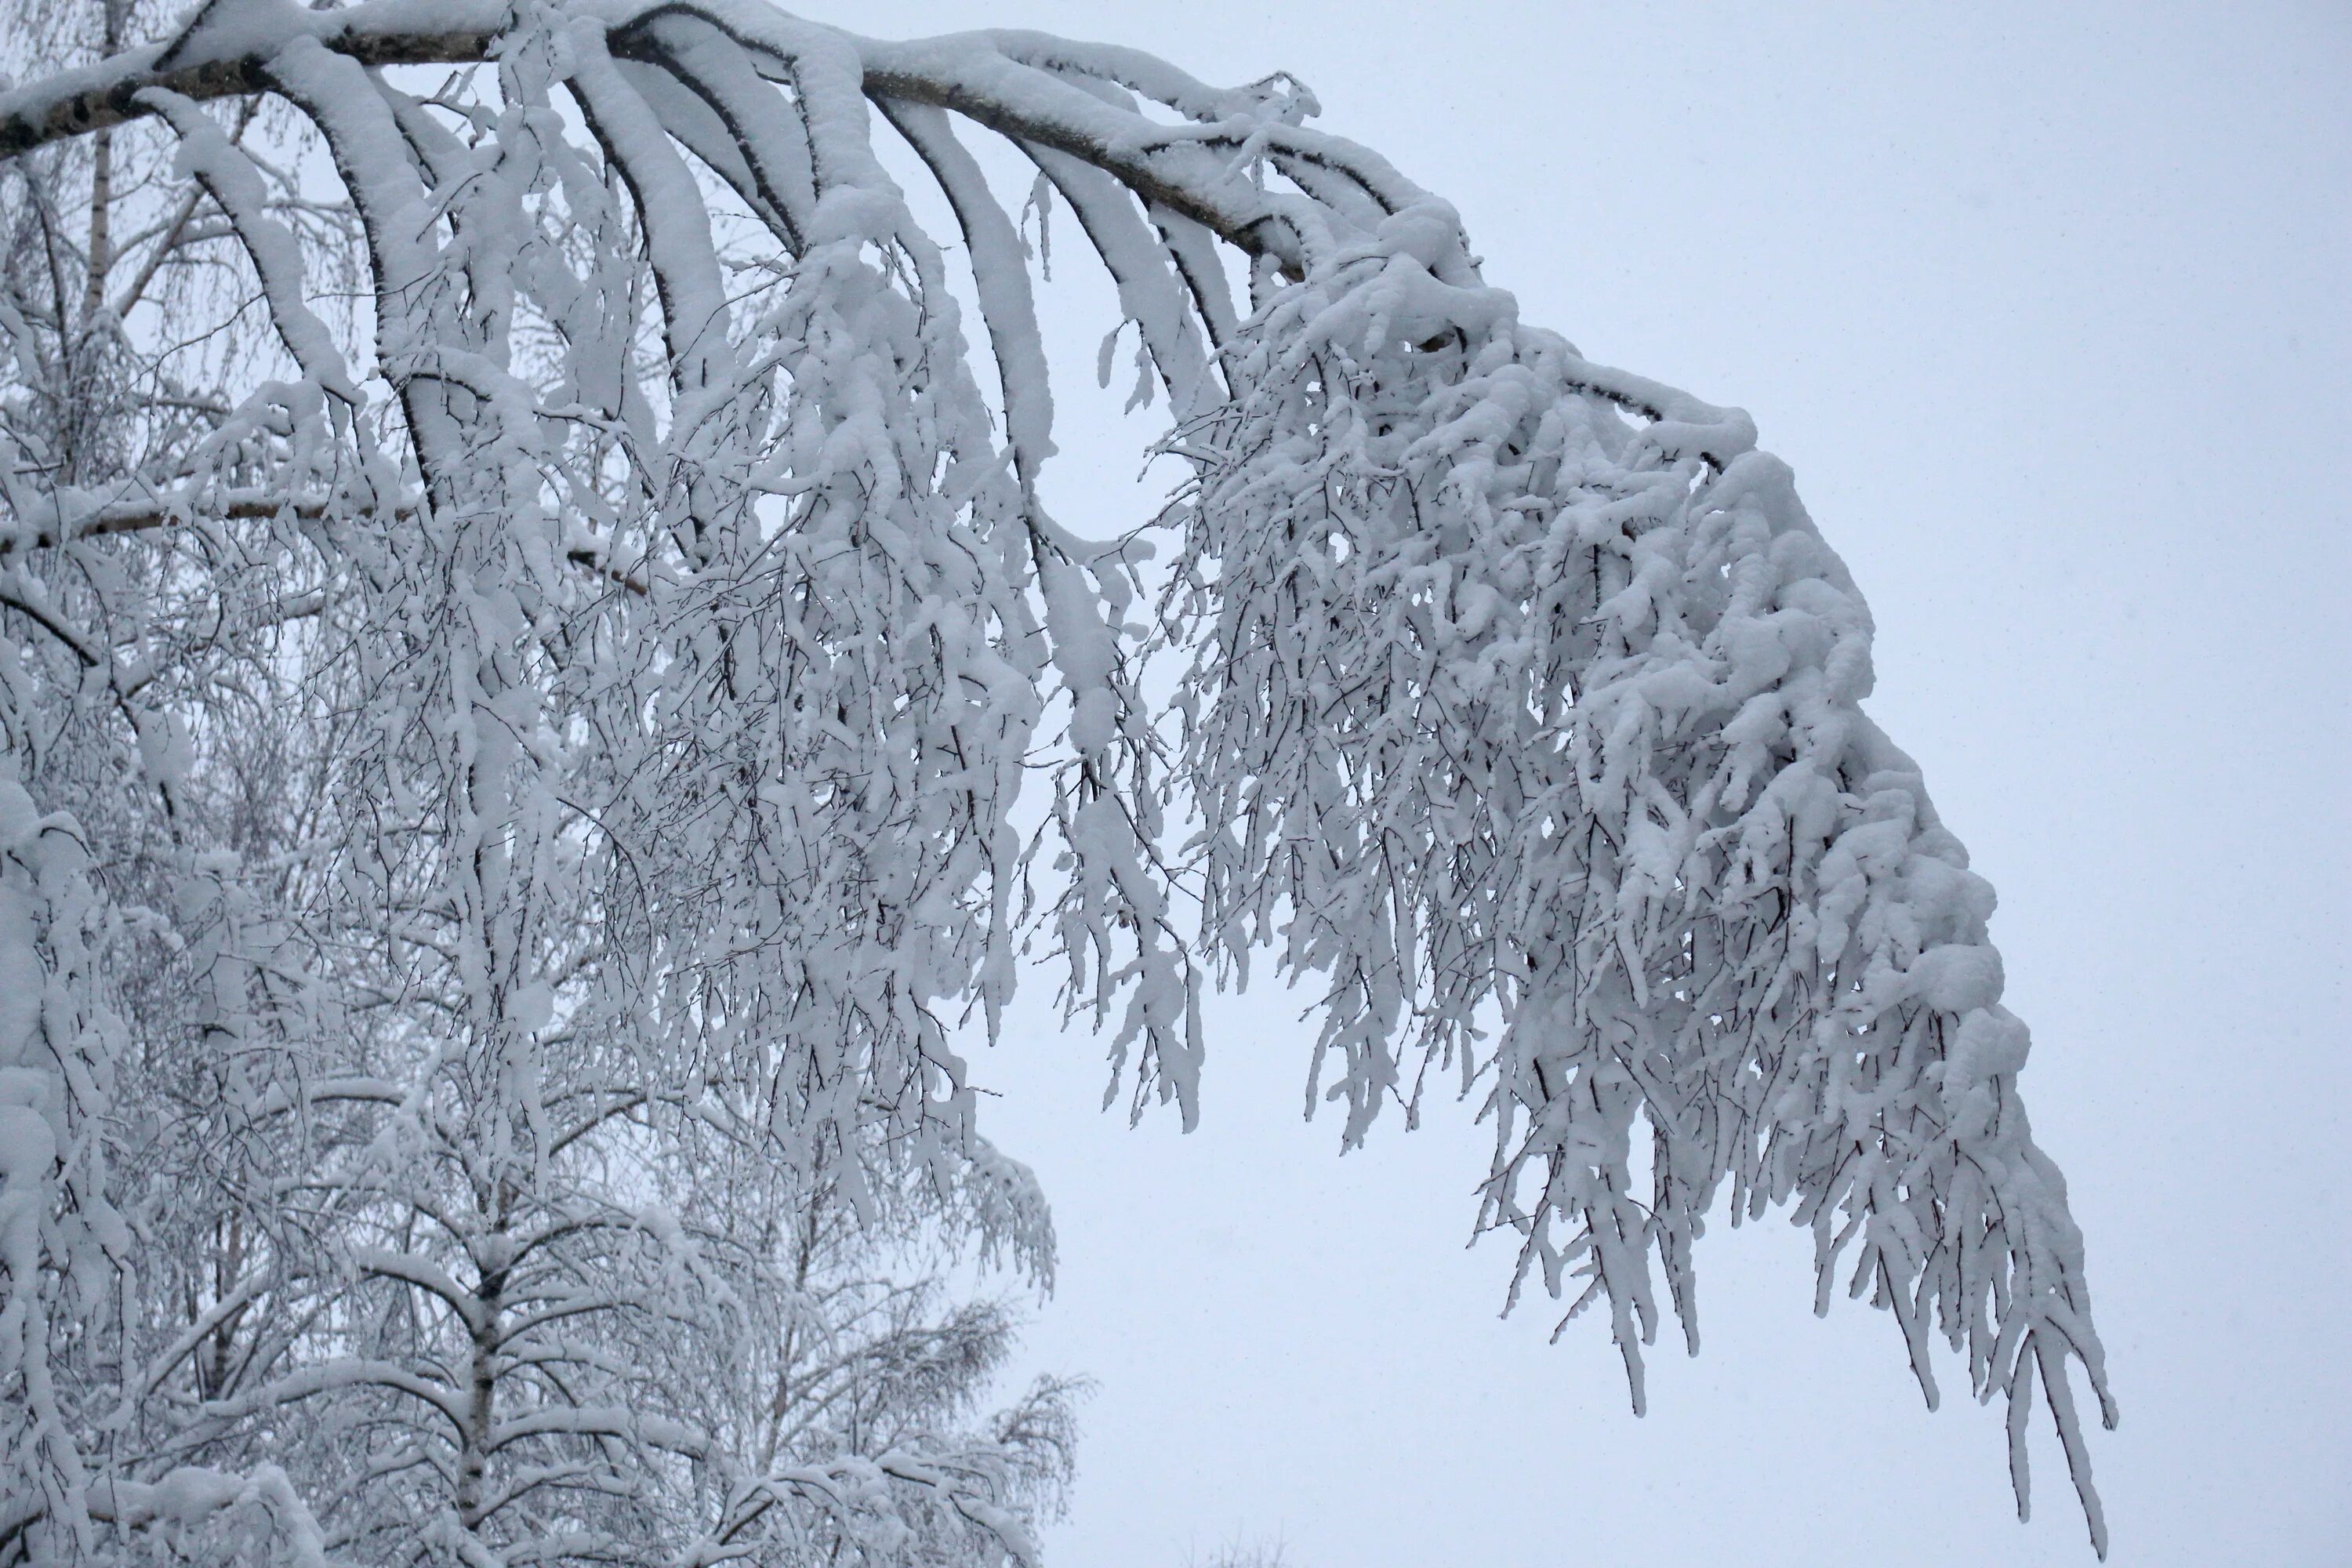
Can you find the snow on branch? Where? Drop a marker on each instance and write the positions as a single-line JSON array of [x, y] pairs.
[[565, 965]]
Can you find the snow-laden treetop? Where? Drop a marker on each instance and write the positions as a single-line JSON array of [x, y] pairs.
[[696, 565]]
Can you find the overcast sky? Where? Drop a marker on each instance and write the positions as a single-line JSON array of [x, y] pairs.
[[2047, 305]]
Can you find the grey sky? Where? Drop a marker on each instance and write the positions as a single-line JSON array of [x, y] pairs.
[[2046, 306]]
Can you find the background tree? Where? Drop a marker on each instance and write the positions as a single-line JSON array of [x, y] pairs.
[[1233, 1553], [665, 615]]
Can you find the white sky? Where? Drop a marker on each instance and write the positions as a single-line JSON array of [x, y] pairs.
[[2047, 307]]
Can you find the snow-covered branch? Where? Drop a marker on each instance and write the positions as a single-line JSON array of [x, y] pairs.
[[545, 742]]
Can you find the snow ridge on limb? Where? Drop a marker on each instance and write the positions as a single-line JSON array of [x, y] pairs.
[[1520, 690], [230, 178]]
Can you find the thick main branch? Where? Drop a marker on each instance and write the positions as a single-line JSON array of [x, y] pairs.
[[1188, 170], [226, 57]]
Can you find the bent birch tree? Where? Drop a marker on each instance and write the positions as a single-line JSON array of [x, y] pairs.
[[508, 784]]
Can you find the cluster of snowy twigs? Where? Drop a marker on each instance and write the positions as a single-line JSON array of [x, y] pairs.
[[560, 756]]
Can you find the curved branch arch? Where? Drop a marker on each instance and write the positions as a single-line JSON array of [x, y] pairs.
[[1511, 717]]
